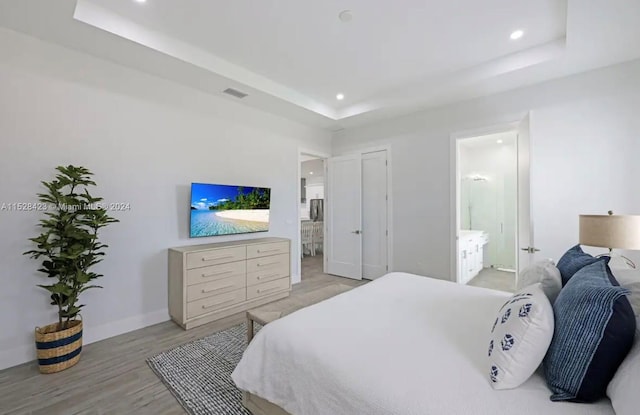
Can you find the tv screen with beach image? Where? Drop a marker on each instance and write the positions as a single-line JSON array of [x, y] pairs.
[[218, 209]]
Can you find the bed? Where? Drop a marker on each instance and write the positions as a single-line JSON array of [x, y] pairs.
[[403, 344]]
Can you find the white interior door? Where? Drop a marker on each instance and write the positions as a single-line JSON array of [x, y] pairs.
[[344, 216], [374, 214], [526, 248]]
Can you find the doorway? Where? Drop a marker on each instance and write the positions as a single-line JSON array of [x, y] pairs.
[[311, 215], [358, 214], [463, 241], [488, 210]]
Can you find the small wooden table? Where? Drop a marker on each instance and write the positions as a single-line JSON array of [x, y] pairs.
[[270, 312]]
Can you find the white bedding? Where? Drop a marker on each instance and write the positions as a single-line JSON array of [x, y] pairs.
[[403, 344]]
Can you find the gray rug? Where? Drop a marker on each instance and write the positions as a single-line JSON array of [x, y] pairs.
[[198, 374]]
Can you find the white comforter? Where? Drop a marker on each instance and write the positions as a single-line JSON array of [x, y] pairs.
[[403, 344]]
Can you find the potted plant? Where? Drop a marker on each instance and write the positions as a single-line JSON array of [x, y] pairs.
[[68, 247]]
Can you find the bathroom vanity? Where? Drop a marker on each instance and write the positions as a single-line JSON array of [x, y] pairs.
[[471, 253]]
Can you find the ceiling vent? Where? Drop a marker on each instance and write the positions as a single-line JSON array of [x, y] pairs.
[[235, 93]]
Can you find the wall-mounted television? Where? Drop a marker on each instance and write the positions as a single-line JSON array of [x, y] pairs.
[[218, 209]]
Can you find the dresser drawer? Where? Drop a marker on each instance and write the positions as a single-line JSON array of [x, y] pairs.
[[216, 256], [216, 272], [267, 288], [207, 305], [267, 269], [258, 277], [274, 248], [267, 263], [209, 289]]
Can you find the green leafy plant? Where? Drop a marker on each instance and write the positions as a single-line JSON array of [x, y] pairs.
[[69, 243], [258, 198]]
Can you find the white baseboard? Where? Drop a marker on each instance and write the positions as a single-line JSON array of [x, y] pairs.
[[91, 334]]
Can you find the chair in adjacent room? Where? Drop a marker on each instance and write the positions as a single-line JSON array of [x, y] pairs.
[[306, 238], [318, 236]]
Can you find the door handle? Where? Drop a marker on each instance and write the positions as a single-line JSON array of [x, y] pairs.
[[530, 249], [357, 232]]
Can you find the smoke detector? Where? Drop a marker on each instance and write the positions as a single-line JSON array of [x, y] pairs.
[[345, 16]]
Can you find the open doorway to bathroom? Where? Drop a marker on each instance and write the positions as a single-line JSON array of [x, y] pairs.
[[488, 210], [312, 208]]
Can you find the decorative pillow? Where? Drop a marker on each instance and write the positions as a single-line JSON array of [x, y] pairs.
[[630, 279], [595, 326], [544, 272], [573, 260], [520, 337], [623, 388]]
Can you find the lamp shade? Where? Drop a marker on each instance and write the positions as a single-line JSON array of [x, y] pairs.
[[610, 231]]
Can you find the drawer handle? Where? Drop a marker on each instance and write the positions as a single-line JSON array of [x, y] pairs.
[[267, 276], [216, 289], [204, 307], [215, 274], [268, 250], [216, 258], [268, 263], [268, 290]]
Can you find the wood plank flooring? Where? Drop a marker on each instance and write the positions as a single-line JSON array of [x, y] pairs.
[[112, 376], [495, 279]]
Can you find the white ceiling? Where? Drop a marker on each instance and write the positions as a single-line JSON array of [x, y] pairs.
[[489, 141], [303, 44], [307, 157], [313, 168], [293, 56]]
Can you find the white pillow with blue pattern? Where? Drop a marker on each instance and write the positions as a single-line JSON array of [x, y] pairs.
[[520, 337]]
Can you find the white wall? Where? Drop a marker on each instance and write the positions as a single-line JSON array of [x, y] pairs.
[[146, 140], [585, 138]]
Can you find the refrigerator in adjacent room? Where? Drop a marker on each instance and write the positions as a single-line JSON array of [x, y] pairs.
[[316, 210]]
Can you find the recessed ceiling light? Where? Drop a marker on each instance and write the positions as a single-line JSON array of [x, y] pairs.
[[345, 16], [499, 141], [516, 35], [310, 172], [141, 1], [340, 97]]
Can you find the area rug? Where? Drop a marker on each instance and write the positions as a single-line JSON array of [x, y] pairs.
[[198, 374]]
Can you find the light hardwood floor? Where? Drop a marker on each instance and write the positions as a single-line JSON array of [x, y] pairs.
[[495, 279], [112, 376]]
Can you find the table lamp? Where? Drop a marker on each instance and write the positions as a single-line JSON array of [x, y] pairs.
[[613, 232]]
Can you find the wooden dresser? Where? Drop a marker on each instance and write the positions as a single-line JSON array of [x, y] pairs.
[[212, 281]]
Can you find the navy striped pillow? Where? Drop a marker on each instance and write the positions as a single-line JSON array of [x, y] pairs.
[[594, 331], [575, 259]]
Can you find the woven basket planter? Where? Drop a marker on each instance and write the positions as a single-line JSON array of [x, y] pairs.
[[58, 350]]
